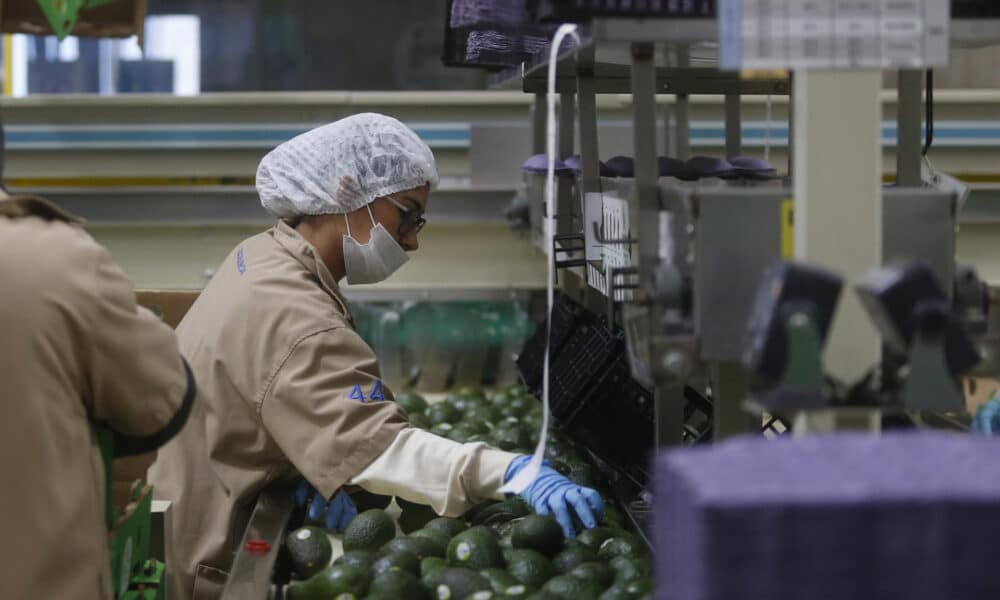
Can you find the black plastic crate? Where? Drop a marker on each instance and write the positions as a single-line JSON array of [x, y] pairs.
[[582, 10], [565, 317], [581, 360], [615, 421]]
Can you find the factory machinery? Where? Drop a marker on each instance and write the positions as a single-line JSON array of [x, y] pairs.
[[681, 317], [657, 339]]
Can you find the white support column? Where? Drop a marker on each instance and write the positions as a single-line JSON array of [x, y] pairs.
[[838, 217]]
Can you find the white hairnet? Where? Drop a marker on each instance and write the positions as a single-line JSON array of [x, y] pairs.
[[343, 166]]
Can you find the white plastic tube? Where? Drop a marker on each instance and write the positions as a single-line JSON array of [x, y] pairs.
[[527, 475]]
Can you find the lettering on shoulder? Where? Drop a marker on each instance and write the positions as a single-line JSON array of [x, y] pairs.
[[376, 395], [241, 263]]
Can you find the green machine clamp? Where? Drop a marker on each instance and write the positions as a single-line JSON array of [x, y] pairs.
[[134, 575]]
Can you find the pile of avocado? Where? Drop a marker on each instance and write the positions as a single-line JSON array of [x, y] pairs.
[[497, 550]]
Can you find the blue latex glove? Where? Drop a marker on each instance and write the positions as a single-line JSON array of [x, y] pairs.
[[987, 419], [552, 493], [336, 514]]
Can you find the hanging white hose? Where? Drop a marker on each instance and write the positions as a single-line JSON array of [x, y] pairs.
[[527, 475]]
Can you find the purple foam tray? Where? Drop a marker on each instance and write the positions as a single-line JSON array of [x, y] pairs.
[[912, 516], [538, 163], [575, 164]]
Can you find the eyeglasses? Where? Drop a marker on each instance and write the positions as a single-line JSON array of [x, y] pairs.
[[412, 218]]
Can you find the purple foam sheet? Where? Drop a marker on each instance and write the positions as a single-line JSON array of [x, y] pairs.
[[489, 14], [622, 166], [911, 516], [493, 33], [501, 49], [673, 167], [539, 164], [708, 166], [575, 164], [754, 168]]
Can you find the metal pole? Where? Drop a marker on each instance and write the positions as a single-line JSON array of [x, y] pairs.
[[538, 125], [791, 124], [668, 407], [587, 117], [909, 118], [838, 219], [682, 112], [587, 100], [668, 393], [567, 123], [734, 125], [730, 386], [682, 131], [567, 212], [644, 128]]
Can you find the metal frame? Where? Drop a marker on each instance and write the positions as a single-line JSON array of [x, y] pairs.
[[615, 79], [237, 205], [684, 42], [909, 118], [252, 570], [580, 73]]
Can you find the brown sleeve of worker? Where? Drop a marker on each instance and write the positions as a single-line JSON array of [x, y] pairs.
[[327, 408], [139, 385]]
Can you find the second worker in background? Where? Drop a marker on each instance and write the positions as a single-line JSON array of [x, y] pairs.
[[288, 386]]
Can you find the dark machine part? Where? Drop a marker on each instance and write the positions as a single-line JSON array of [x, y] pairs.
[[920, 327], [904, 299], [972, 300], [593, 396], [787, 289]]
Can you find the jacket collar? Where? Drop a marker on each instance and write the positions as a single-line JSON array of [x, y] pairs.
[[306, 253]]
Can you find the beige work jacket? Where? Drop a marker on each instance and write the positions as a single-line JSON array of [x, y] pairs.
[[76, 352], [286, 387]]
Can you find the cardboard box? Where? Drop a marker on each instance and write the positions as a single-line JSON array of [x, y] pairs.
[[120, 18], [169, 305]]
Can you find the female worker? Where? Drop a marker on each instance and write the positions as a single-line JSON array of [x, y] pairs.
[[289, 387], [78, 356]]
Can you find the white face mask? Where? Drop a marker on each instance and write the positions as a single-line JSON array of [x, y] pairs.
[[374, 261]]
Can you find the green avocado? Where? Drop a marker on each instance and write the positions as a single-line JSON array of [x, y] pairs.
[[309, 550]]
